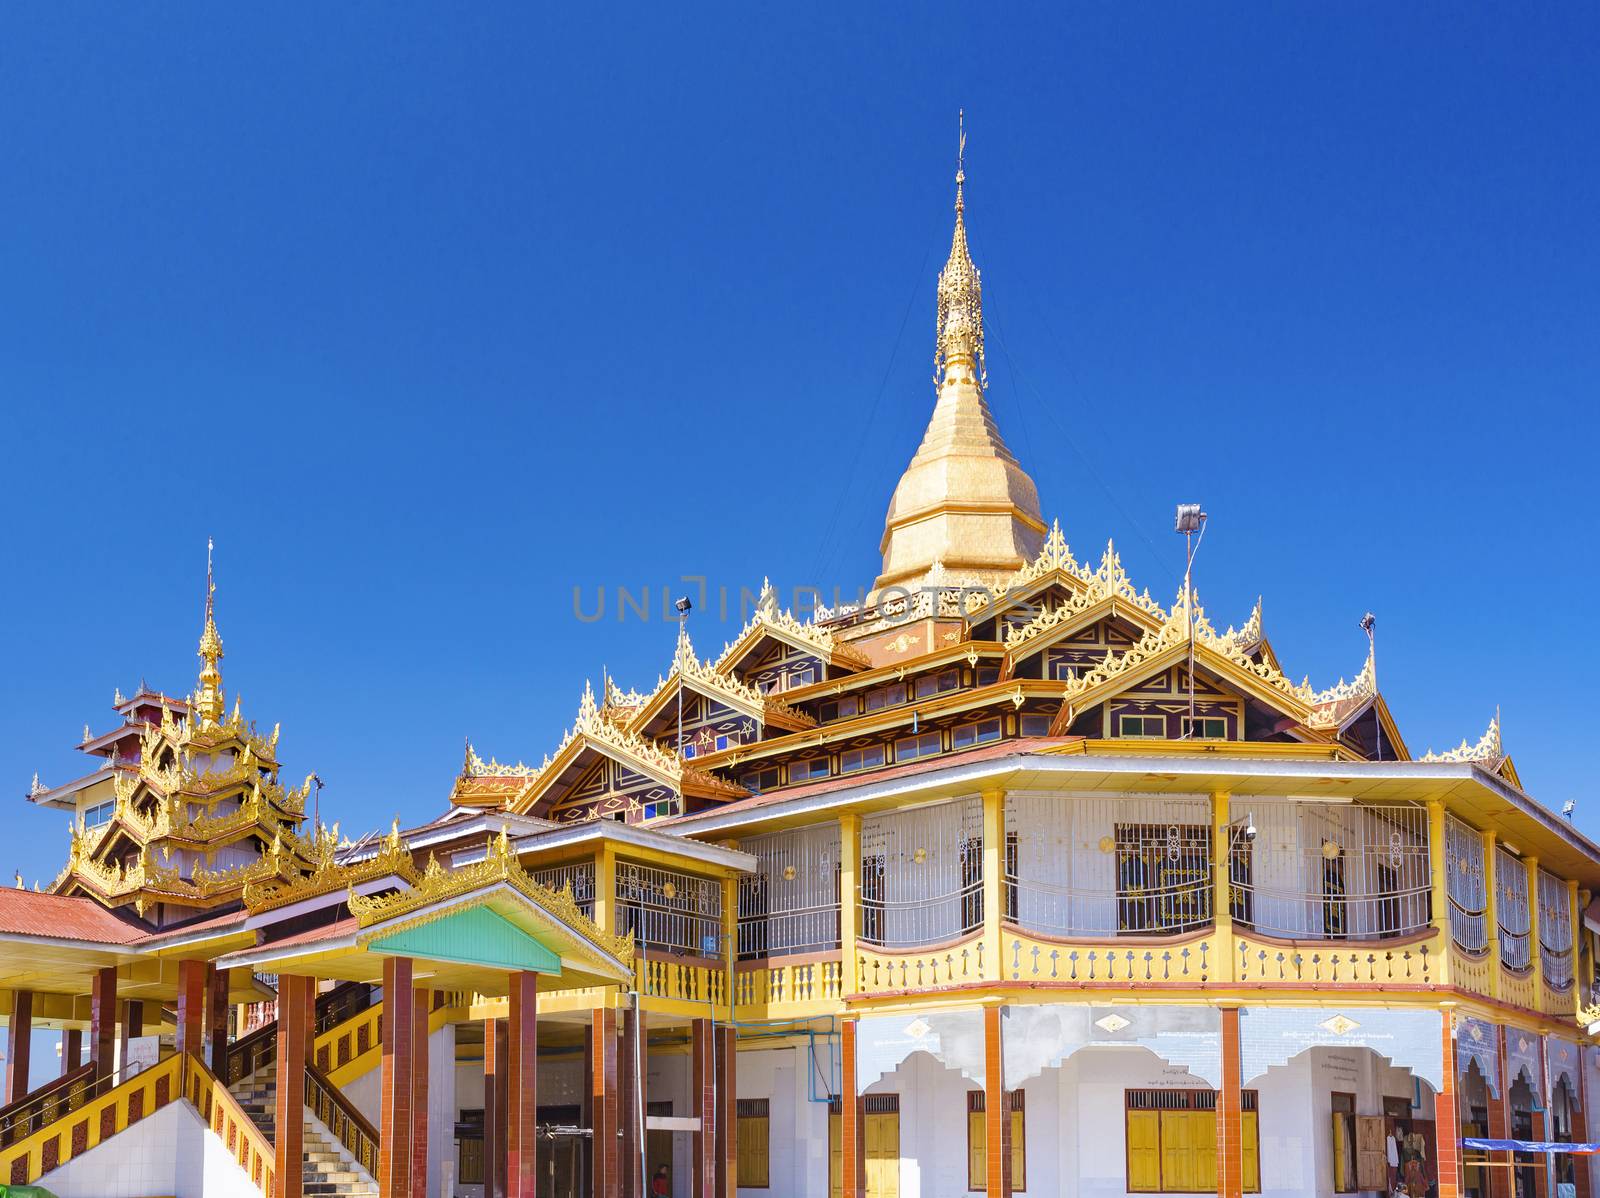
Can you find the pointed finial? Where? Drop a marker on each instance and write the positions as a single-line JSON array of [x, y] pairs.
[[961, 155], [209, 702], [958, 348]]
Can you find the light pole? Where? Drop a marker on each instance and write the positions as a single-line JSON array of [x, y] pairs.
[[1191, 522]]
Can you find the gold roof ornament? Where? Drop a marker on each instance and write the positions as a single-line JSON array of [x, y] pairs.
[[964, 501], [209, 703], [1488, 749]]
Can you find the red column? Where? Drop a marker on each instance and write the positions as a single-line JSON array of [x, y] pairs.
[[1447, 1114], [394, 1096], [103, 1020], [296, 998], [494, 1108], [852, 1173], [191, 1007], [132, 1023], [419, 1093], [19, 1044], [996, 1109], [703, 1095], [522, 1099], [1230, 1117], [217, 1021], [71, 1049], [605, 1147], [630, 1097], [727, 1051], [1499, 1123]]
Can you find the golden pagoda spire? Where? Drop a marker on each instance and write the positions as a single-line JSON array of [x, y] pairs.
[[964, 506], [958, 326], [208, 701]]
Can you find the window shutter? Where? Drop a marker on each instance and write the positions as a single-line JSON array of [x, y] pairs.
[[1372, 1163], [1144, 1151], [1252, 1152]]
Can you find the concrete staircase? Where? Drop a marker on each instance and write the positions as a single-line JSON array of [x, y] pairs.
[[330, 1171]]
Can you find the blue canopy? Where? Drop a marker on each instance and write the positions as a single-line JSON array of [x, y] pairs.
[[1525, 1145]]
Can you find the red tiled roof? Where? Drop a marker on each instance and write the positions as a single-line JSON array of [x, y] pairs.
[[65, 917], [333, 931], [1005, 748]]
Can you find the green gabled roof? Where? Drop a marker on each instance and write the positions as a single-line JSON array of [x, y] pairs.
[[473, 936]]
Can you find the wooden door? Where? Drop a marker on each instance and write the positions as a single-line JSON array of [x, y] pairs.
[[883, 1154]]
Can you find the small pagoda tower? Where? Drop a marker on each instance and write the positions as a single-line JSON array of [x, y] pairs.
[[186, 807]]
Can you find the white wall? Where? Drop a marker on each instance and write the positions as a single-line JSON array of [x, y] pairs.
[[798, 1144], [169, 1152]]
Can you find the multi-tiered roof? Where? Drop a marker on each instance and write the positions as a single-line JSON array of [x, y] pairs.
[[983, 627]]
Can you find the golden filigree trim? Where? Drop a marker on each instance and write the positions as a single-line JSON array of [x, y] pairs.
[[499, 865], [1488, 748]]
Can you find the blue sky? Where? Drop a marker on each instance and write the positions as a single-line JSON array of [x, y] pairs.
[[429, 318]]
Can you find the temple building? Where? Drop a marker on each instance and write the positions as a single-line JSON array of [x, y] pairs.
[[1011, 880]]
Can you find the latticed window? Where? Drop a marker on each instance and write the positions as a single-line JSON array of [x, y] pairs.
[[1104, 866], [579, 877], [922, 874], [1335, 871], [1163, 877], [1464, 883], [1555, 931], [1511, 880], [790, 904], [668, 910]]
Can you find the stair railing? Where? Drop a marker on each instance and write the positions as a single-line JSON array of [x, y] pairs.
[[238, 1132], [105, 1110], [340, 1116], [260, 1047], [57, 1097]]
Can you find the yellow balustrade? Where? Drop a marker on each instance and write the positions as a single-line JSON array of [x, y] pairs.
[[788, 989], [1474, 974], [355, 1047], [891, 971], [1179, 961], [1557, 1000], [1410, 962], [682, 984], [1519, 988], [140, 1096]]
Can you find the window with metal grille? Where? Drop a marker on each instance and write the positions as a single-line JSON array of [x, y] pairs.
[[1104, 866], [1163, 877], [790, 903], [669, 911]]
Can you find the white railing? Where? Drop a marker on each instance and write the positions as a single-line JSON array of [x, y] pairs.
[[1329, 871], [1511, 907], [1555, 932], [579, 877], [1106, 867], [1465, 885], [669, 911], [921, 874], [790, 904]]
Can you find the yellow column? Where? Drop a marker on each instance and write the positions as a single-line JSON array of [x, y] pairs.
[[1222, 883], [1441, 890], [605, 889], [1534, 965], [994, 867], [1575, 915], [1491, 909], [849, 898], [730, 934]]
